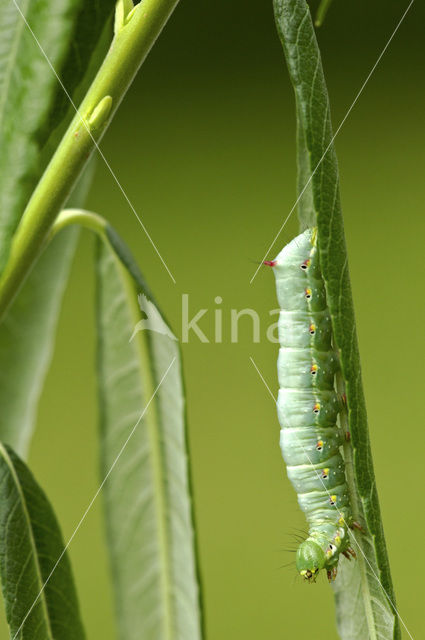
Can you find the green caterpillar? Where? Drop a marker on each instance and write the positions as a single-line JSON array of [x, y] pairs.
[[308, 407]]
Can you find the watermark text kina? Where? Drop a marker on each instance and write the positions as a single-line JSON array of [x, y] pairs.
[[223, 327]]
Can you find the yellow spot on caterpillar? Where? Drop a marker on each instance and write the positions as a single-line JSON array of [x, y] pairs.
[[316, 407], [337, 540], [319, 445], [305, 265], [332, 500], [331, 550], [314, 369], [308, 293], [325, 473], [312, 329]]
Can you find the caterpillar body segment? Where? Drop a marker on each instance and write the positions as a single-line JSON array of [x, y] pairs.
[[308, 407]]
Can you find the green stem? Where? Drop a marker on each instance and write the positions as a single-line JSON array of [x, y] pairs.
[[86, 219], [136, 30]]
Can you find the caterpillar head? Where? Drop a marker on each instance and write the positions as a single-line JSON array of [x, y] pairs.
[[310, 559]]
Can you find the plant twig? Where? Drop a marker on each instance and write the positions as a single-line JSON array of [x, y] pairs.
[[136, 29]]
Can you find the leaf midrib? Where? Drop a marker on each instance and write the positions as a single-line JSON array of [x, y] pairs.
[[12, 58], [41, 596], [356, 510], [153, 424]]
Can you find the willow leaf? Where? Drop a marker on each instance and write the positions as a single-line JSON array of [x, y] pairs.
[[27, 334], [34, 110], [364, 593], [147, 495], [26, 341], [31, 120], [30, 546]]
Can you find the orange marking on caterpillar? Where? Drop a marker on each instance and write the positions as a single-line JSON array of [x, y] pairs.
[[305, 265]]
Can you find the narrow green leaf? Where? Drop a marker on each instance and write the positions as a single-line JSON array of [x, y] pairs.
[[147, 495], [34, 110], [30, 546], [364, 593], [27, 334], [26, 341], [74, 42]]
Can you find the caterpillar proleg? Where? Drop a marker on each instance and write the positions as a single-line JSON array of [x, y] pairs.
[[308, 407]]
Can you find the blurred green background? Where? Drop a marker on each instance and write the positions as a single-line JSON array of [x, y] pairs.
[[204, 146]]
